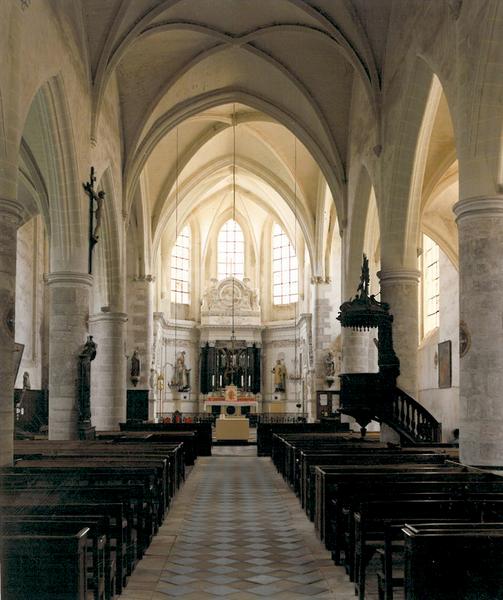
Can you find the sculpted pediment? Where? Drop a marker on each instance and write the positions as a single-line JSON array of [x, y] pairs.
[[220, 296]]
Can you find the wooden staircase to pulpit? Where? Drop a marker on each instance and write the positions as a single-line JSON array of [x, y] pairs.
[[375, 396]]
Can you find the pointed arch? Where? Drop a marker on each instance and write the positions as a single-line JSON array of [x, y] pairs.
[[49, 134]]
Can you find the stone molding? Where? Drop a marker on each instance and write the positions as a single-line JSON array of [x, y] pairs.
[[478, 206], [111, 317], [11, 209], [403, 276], [69, 279]]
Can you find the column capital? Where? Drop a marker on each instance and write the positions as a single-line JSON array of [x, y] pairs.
[[12, 210], [111, 317], [399, 276], [479, 206], [69, 279]]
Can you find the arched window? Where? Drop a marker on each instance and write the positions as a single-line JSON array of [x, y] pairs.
[[180, 268], [230, 251], [285, 268], [431, 284]]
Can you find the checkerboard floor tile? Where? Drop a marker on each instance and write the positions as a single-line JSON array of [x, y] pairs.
[[236, 532]]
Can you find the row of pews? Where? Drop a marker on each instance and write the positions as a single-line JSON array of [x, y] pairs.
[[77, 516], [411, 520]]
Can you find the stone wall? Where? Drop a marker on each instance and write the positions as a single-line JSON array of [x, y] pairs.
[[30, 297], [442, 403]]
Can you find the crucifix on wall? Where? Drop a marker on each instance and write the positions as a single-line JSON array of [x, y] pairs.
[[96, 201]]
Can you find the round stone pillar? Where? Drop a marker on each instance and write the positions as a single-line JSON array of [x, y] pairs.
[[68, 321], [480, 225], [399, 288], [10, 219], [108, 370]]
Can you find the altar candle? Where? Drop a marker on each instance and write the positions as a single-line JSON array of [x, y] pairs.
[[242, 380], [213, 381], [249, 380]]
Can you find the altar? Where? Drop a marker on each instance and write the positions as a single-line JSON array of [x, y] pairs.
[[232, 429]]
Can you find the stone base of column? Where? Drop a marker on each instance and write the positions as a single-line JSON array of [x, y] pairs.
[[10, 219], [69, 311], [108, 371]]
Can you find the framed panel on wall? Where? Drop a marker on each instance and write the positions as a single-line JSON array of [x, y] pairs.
[[445, 364]]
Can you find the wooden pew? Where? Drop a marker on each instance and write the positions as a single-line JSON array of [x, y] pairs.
[[45, 567], [104, 471], [22, 525], [202, 430], [112, 513], [121, 523], [327, 477], [136, 495], [173, 454], [391, 574], [344, 456], [371, 516], [265, 433], [188, 438], [454, 565]]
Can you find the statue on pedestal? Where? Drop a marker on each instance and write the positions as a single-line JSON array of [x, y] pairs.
[[87, 355], [135, 367], [279, 371], [182, 373], [329, 365], [26, 381]]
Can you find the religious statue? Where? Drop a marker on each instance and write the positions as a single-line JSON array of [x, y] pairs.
[[152, 379], [96, 205], [98, 213], [87, 355], [182, 373], [279, 371], [364, 278], [26, 381], [329, 364], [135, 367]]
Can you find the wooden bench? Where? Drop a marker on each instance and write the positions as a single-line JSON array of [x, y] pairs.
[[347, 495], [45, 567], [454, 565], [30, 526], [354, 475], [307, 462], [370, 519], [202, 430], [391, 574]]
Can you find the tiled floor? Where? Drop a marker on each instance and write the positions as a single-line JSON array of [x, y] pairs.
[[236, 532]]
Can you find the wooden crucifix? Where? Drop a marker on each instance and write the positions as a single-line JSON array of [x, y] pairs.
[[95, 215]]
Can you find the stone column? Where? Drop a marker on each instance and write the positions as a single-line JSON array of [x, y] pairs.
[[108, 371], [68, 320], [141, 325], [399, 287], [10, 219], [480, 225]]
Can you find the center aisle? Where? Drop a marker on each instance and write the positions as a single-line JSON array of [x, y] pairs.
[[236, 531]]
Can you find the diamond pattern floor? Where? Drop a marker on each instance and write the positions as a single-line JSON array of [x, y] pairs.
[[236, 532]]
